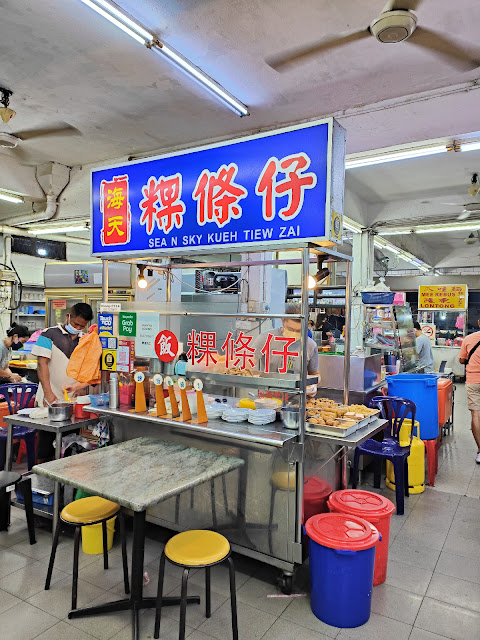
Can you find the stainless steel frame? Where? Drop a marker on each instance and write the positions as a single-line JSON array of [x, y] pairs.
[[259, 512]]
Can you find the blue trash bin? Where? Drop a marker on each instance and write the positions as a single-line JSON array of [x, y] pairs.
[[342, 559], [422, 389]]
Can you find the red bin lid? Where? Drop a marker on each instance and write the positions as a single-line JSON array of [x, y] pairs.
[[363, 504], [341, 531], [316, 488]]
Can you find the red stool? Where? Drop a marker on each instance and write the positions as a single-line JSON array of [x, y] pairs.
[[431, 448]]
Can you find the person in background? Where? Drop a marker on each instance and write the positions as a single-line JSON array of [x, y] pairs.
[[291, 328], [17, 335], [311, 327], [424, 349], [470, 356], [181, 365], [53, 349]]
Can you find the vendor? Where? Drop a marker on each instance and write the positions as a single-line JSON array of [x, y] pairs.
[[424, 349], [53, 349], [291, 328], [324, 326], [17, 336]]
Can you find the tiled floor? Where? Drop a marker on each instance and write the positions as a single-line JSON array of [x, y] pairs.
[[432, 589]]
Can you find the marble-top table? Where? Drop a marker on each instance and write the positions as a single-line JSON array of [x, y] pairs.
[[137, 474]]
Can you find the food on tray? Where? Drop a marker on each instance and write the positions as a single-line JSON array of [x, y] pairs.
[[361, 408], [236, 371]]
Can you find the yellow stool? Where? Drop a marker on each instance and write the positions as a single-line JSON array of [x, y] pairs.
[[416, 459], [196, 548], [83, 513]]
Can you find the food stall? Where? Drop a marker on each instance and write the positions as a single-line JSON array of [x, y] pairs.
[[294, 447], [442, 314]]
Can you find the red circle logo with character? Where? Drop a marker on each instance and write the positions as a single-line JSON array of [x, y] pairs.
[[166, 346]]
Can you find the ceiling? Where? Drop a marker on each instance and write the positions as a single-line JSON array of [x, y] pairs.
[[67, 65]]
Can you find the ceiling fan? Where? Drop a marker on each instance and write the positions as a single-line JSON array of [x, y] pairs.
[[395, 24], [469, 207], [11, 140]]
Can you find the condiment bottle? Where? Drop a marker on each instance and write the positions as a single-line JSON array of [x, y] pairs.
[[113, 400]]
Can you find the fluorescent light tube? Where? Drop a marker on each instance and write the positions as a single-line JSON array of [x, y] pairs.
[[202, 78], [113, 14], [45, 230], [393, 156], [351, 227], [470, 146], [130, 26], [9, 197], [441, 229]]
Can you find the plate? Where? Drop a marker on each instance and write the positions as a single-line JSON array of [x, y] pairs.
[[25, 412]]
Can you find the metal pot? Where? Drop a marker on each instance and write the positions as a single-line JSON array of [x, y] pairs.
[[60, 411], [290, 417]]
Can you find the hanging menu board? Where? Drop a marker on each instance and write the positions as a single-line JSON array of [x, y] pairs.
[[275, 188]]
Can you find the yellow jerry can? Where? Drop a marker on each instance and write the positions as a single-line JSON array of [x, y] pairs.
[[416, 460]]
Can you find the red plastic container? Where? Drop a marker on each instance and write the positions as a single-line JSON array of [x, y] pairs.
[[316, 492], [375, 509], [445, 400], [79, 412]]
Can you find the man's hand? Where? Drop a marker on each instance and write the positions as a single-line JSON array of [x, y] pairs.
[[312, 391], [15, 377], [73, 389], [50, 398]]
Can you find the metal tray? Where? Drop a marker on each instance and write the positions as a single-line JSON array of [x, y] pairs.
[[341, 432], [263, 381]]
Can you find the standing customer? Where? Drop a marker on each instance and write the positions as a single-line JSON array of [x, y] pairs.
[[17, 335], [53, 349], [470, 356], [424, 349]]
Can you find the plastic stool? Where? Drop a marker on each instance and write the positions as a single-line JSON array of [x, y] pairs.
[[82, 513], [7, 480], [196, 549], [431, 448]]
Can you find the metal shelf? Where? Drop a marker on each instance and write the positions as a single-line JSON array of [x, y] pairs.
[[287, 382]]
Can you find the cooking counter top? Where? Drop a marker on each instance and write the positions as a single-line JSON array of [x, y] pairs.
[[273, 434]]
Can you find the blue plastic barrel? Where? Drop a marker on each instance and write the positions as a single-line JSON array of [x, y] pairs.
[[342, 559], [422, 389]]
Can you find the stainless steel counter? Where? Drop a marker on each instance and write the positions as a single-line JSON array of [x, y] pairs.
[[273, 434]]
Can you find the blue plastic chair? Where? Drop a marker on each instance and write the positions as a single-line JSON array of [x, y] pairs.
[[18, 396], [395, 410]]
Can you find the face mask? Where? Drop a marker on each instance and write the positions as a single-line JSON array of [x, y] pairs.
[[71, 330], [16, 346]]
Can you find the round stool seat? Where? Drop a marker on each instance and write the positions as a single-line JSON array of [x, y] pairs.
[[87, 510], [198, 547], [8, 477], [284, 480]]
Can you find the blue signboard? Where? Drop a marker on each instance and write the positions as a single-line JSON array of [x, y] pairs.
[[105, 323], [278, 187]]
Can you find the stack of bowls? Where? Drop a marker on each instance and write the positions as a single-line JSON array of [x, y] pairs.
[[234, 414], [262, 416], [214, 410]]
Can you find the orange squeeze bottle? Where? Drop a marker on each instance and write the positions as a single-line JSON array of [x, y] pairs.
[[140, 402], [186, 413], [160, 398], [201, 411], [173, 399]]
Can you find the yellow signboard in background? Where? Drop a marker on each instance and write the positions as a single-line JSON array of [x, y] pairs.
[[453, 297]]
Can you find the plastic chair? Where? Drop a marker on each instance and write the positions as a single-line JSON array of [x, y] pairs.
[[24, 484], [395, 410], [18, 396]]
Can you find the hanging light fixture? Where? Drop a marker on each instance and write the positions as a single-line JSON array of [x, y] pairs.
[[321, 274], [141, 281]]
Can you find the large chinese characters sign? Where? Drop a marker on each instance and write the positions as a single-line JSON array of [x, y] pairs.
[[453, 297], [281, 186], [240, 352]]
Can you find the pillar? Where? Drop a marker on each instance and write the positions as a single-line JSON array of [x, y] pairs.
[[362, 274]]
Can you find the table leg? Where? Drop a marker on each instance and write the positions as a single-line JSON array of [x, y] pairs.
[[136, 600], [56, 486], [9, 448]]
